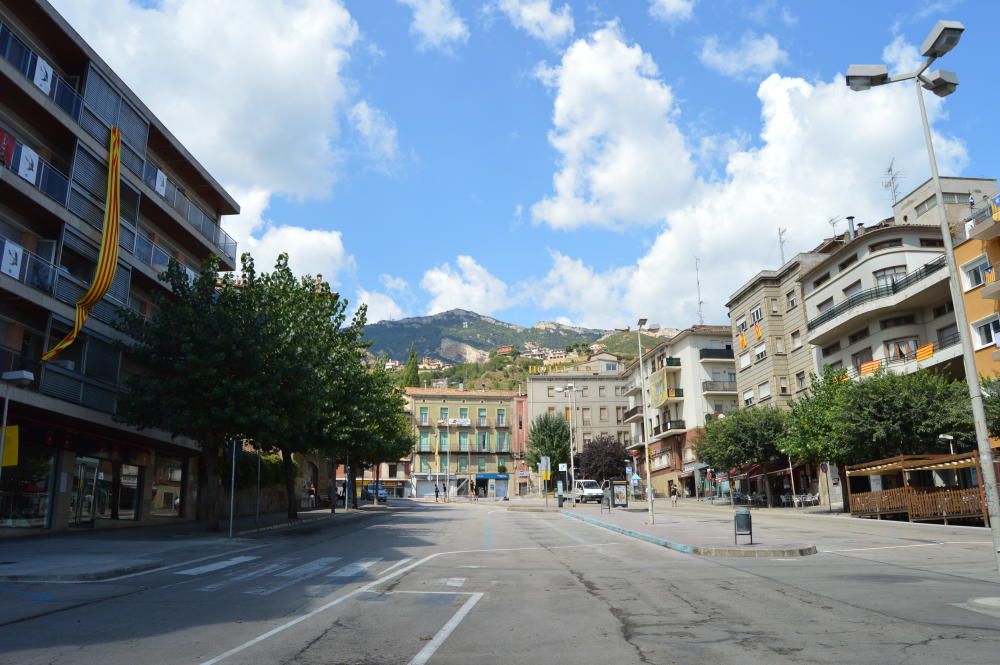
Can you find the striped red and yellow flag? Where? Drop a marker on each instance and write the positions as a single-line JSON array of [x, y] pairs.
[[869, 367], [757, 332], [107, 260], [925, 351], [743, 341], [990, 275]]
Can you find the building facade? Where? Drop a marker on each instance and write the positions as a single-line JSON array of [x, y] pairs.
[[73, 465], [464, 441]]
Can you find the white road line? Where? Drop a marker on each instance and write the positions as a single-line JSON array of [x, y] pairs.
[[397, 564], [454, 581], [256, 572], [293, 575], [887, 547], [218, 565], [431, 647], [359, 567]]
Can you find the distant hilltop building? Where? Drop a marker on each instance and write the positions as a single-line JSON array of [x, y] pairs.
[[430, 364], [505, 350], [392, 364]]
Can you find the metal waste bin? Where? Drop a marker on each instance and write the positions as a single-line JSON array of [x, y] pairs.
[[562, 500], [742, 525]]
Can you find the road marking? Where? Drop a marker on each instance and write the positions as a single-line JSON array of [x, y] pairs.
[[218, 565], [453, 581], [359, 567], [886, 547], [431, 647], [396, 565], [294, 575], [256, 572]]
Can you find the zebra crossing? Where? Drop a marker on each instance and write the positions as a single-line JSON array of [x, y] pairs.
[[263, 578]]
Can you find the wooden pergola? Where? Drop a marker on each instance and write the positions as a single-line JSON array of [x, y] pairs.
[[918, 502]]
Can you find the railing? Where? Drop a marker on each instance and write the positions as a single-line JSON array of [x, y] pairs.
[[632, 412], [670, 362], [72, 387], [32, 270], [922, 353], [673, 424], [981, 214], [877, 292], [715, 354], [945, 502], [501, 422], [12, 360], [482, 422], [885, 501], [44, 177], [17, 53], [718, 386]]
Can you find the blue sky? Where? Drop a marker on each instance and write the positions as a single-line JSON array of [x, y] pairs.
[[539, 160]]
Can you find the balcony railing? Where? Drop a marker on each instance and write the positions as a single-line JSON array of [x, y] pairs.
[[40, 174], [668, 426], [31, 270], [670, 362], [925, 352], [17, 53], [634, 411], [715, 354], [62, 382], [878, 292], [482, 422], [12, 360], [718, 386]]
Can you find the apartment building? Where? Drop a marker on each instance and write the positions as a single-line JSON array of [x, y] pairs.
[[690, 378], [977, 252], [70, 464], [464, 440], [768, 327], [599, 400]]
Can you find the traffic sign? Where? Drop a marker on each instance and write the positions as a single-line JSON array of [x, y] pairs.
[[563, 466]]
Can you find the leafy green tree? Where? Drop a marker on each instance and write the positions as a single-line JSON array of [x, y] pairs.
[[548, 437], [602, 458], [411, 374], [743, 437], [991, 402], [812, 422]]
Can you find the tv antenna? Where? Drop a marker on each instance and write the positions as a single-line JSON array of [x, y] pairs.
[[781, 243], [890, 181], [697, 281], [833, 223]]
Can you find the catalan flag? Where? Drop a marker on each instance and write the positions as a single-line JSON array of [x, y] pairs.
[[925, 351], [757, 333], [869, 367], [990, 275], [743, 340], [995, 208], [107, 259]]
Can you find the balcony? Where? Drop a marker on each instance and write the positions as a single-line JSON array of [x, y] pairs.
[[502, 422], [718, 386], [670, 364], [633, 389], [424, 422], [31, 270], [708, 355], [62, 382], [17, 53], [669, 428], [913, 290], [933, 353], [39, 173], [991, 289], [482, 422], [984, 227], [634, 415]]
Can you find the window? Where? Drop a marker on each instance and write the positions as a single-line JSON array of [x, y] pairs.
[[783, 385], [897, 321], [853, 258], [424, 418], [748, 397], [852, 289], [837, 365], [885, 244], [443, 464], [501, 462], [902, 348], [443, 413], [774, 305], [741, 324], [858, 336], [796, 340], [443, 440], [974, 272], [925, 205], [552, 410], [941, 310], [482, 422], [481, 464], [501, 417], [463, 413], [756, 314], [586, 415], [744, 360], [425, 442], [986, 332], [393, 470], [551, 391], [586, 389], [482, 441], [463, 464], [502, 443], [602, 391], [760, 351], [861, 357], [947, 336], [425, 465], [603, 414], [779, 344], [463, 442], [790, 300], [825, 305], [887, 277], [800, 381], [931, 242], [830, 350], [611, 367], [821, 280], [764, 391], [620, 415]]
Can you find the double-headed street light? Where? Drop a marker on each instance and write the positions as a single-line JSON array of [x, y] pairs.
[[645, 434], [569, 389], [942, 39]]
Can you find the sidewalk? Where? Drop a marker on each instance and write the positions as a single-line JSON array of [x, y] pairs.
[[693, 534], [105, 555]]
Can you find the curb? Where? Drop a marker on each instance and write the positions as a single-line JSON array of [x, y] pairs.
[[532, 509], [85, 577], [699, 549], [328, 520]]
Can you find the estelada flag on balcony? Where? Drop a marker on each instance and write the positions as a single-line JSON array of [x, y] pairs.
[[989, 275], [107, 260], [743, 340], [757, 332], [995, 208]]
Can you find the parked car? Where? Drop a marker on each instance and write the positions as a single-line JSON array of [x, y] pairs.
[[587, 490], [369, 492]]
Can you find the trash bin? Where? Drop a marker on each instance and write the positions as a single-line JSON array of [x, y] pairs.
[[562, 500], [742, 524]]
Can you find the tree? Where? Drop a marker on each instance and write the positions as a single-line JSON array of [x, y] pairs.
[[991, 402], [548, 437], [411, 375], [602, 458], [743, 437]]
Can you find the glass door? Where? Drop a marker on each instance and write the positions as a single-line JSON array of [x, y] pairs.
[[84, 487]]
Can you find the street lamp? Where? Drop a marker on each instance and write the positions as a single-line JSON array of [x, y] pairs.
[[645, 434], [570, 390], [19, 377], [942, 39]]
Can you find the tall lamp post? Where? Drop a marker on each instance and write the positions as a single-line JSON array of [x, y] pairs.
[[645, 434], [18, 377], [942, 39], [569, 389]]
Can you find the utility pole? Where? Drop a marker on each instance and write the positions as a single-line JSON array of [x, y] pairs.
[[781, 243], [697, 281]]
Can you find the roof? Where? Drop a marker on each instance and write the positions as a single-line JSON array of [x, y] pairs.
[[455, 392], [913, 463]]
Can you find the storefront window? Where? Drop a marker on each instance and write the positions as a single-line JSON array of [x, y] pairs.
[[24, 487], [129, 492], [167, 487]]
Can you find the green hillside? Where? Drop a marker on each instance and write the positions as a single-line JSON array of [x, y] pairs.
[[624, 344]]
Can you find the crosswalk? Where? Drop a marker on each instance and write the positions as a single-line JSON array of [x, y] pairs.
[[250, 575]]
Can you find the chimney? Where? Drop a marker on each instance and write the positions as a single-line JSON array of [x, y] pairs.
[[861, 228], [850, 225], [461, 386]]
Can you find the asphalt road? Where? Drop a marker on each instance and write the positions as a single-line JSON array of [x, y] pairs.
[[462, 584]]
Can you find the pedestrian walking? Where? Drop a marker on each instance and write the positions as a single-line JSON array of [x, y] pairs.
[[435, 493], [312, 495], [673, 496]]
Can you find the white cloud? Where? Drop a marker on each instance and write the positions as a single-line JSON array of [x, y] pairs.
[[622, 158], [901, 56], [378, 132], [469, 286], [822, 148], [753, 56], [671, 11], [396, 284], [381, 306], [537, 18], [436, 25]]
